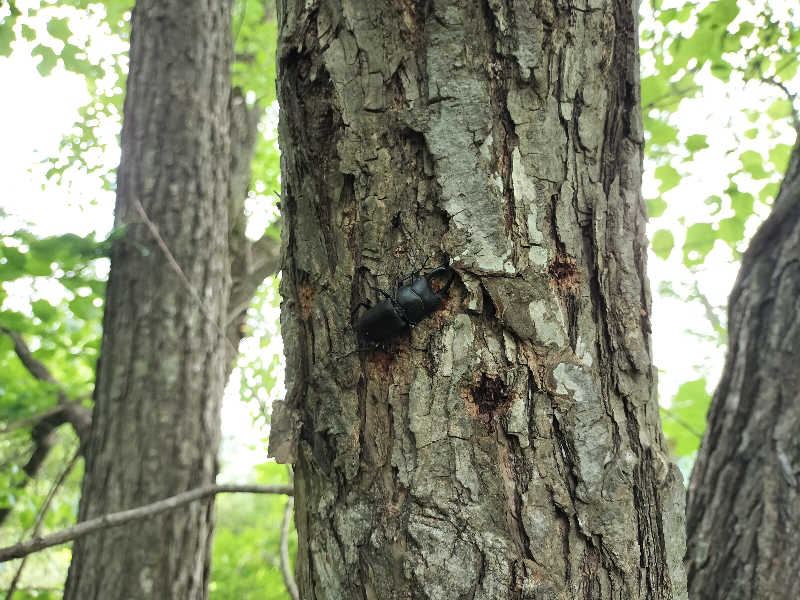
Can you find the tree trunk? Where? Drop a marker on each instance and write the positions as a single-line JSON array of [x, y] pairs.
[[743, 513], [162, 371], [509, 446]]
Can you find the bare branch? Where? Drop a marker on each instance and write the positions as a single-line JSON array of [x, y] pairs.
[[711, 315], [33, 419], [44, 437], [36, 367], [265, 260], [77, 415], [120, 518], [74, 413]]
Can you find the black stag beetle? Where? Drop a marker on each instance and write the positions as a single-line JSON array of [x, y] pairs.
[[410, 304]]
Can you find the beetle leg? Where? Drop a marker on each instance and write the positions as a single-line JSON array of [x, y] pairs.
[[437, 271]]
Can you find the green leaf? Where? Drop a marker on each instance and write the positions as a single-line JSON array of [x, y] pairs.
[[721, 69], [663, 242], [654, 88], [741, 202], [780, 109], [59, 29], [44, 310], [732, 42], [49, 59], [731, 230], [673, 14], [7, 35], [655, 207], [661, 133], [753, 164], [769, 191], [75, 60], [716, 202], [83, 308], [723, 12], [14, 257], [779, 156], [9, 272], [668, 176], [685, 421], [28, 32], [788, 69], [696, 142], [751, 133], [14, 320], [703, 45], [700, 238], [746, 28]]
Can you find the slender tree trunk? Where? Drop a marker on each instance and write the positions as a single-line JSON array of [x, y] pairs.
[[162, 371], [509, 446], [743, 513]]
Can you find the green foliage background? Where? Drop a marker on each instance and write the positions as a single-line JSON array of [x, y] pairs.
[[246, 560], [747, 49]]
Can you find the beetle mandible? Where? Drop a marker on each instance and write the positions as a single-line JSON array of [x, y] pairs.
[[410, 304]]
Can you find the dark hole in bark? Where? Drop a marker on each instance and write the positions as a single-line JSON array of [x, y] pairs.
[[488, 304], [490, 398]]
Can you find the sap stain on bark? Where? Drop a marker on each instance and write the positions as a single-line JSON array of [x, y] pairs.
[[564, 272], [565, 276], [305, 295]]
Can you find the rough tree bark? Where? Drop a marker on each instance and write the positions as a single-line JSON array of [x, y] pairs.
[[163, 365], [743, 512], [510, 445]]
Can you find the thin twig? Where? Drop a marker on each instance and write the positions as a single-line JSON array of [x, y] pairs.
[[286, 567], [792, 97], [40, 518], [120, 518], [681, 422], [33, 419], [711, 315], [177, 268]]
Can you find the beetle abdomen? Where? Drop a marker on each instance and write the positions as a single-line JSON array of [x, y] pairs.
[[381, 322]]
